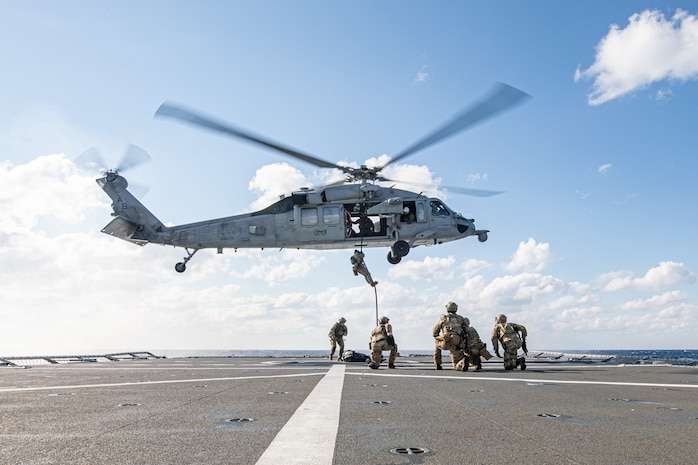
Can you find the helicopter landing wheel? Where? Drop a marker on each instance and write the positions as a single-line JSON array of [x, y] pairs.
[[393, 260], [400, 248], [182, 266]]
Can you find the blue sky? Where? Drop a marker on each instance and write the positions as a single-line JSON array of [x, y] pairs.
[[591, 245]]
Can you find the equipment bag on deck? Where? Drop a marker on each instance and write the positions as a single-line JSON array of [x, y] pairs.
[[351, 356]]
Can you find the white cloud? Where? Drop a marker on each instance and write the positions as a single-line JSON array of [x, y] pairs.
[[670, 298], [475, 177], [49, 186], [430, 269], [422, 76], [665, 275], [604, 169], [650, 49], [530, 255], [274, 180], [521, 289], [280, 267]]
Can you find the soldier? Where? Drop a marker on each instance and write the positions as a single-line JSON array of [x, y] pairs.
[[382, 339], [450, 334], [508, 335], [407, 216], [336, 334], [359, 267], [476, 348]]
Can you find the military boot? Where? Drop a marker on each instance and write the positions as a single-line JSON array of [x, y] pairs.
[[521, 362], [478, 363], [391, 365], [438, 367]]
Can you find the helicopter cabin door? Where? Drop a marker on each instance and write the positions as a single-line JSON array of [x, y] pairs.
[[319, 224]]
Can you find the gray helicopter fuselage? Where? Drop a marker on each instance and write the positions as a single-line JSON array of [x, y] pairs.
[[329, 218]]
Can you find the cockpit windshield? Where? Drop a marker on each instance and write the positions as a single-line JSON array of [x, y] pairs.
[[438, 208]]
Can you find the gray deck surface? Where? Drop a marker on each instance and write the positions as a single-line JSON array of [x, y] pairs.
[[230, 410]]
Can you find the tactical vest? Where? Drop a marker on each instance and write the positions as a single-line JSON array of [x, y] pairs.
[[509, 336], [452, 324], [379, 332]]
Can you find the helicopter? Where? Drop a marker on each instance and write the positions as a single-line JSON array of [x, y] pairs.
[[358, 212]]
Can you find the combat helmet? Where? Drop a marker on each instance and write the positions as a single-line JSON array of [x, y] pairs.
[[500, 318], [451, 307], [384, 320], [342, 320]]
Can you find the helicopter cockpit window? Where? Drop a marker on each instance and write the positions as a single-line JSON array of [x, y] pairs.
[[438, 208], [330, 215], [309, 216]]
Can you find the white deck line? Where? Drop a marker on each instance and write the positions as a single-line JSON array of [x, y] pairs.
[[309, 435]]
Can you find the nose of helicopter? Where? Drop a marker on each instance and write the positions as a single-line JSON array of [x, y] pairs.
[[464, 225]]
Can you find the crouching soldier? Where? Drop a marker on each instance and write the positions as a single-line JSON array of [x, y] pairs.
[[508, 335], [382, 339], [449, 334], [476, 348]]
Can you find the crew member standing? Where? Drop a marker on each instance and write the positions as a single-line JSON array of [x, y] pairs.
[[450, 334], [382, 339], [336, 334], [508, 335]]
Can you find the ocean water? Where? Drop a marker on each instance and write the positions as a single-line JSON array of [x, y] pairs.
[[671, 357]]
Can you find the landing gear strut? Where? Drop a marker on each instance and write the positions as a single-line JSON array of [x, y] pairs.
[[181, 267]]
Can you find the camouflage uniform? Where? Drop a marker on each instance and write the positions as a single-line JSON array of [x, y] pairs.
[[476, 348], [358, 266], [450, 334], [336, 334], [381, 340], [508, 335]]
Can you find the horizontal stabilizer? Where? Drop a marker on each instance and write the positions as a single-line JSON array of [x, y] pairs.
[[123, 229]]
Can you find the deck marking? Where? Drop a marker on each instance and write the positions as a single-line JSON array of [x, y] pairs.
[[533, 380], [146, 383], [309, 435]]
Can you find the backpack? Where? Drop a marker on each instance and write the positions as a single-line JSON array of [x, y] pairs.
[[511, 337], [351, 356], [452, 324]]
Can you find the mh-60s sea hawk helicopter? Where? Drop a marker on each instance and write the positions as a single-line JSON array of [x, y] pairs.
[[357, 213]]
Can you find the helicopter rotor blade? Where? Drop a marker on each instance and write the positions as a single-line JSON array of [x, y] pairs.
[[133, 157], [472, 192], [91, 159], [177, 112], [455, 189], [501, 98]]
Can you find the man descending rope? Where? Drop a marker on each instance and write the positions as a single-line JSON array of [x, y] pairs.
[[359, 267]]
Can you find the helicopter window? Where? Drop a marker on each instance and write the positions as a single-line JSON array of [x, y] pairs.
[[330, 215], [421, 213], [309, 216], [438, 208], [299, 199]]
